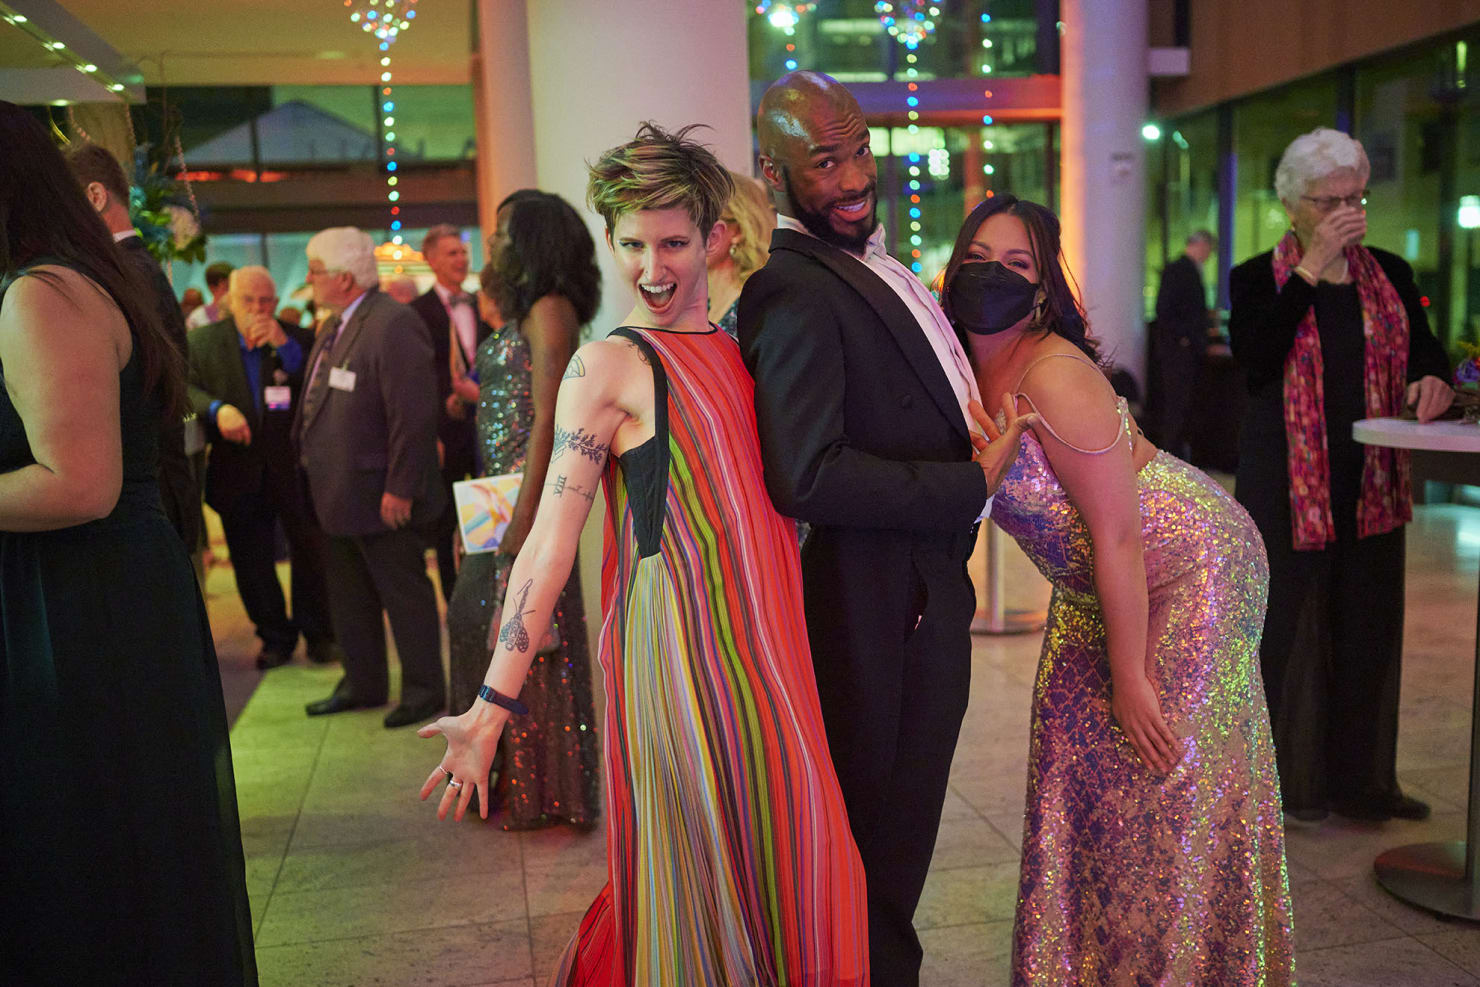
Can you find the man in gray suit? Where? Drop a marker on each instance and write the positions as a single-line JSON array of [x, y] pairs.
[[366, 434]]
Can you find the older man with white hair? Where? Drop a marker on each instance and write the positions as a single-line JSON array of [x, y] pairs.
[[367, 441], [1330, 331], [246, 380]]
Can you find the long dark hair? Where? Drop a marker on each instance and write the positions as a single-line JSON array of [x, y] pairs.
[[45, 217], [1061, 313], [549, 252]]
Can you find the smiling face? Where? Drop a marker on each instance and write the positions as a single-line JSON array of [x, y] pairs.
[[660, 253], [823, 166], [448, 259]]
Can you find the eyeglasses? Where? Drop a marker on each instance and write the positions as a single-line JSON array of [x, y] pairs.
[[1325, 203]]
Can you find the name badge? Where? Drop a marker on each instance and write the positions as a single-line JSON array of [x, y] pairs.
[[341, 379], [277, 397]]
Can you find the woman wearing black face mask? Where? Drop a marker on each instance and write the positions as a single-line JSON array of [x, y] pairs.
[[1153, 840]]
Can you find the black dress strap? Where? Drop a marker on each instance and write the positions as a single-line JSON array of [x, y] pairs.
[[645, 468]]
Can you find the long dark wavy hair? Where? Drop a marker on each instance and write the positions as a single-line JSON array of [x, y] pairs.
[[1061, 312], [549, 252], [45, 217]]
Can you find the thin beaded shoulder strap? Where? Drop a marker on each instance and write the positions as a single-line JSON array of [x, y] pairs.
[[1125, 416]]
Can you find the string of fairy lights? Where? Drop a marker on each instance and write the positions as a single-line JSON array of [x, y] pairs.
[[386, 20]]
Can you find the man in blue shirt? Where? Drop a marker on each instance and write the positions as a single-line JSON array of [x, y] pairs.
[[246, 377]]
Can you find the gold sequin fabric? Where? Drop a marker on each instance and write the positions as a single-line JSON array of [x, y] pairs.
[[549, 761], [1130, 877]]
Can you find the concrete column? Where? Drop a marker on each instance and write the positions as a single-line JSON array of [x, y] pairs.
[[599, 68], [1104, 186], [504, 112]]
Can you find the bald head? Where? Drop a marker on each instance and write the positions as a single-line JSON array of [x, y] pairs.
[[791, 104], [815, 156]]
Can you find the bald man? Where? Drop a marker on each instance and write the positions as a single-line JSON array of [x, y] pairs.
[[246, 374], [860, 397]]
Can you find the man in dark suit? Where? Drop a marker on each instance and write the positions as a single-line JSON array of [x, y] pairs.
[[102, 178], [246, 379], [1179, 341], [861, 402], [456, 331], [366, 433]]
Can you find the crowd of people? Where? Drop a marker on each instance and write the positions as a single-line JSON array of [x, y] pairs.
[[780, 722]]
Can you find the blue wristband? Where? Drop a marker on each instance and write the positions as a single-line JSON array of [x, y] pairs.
[[499, 699]]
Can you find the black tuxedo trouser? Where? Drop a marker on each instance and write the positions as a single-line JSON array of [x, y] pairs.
[[893, 693], [249, 529], [386, 572]]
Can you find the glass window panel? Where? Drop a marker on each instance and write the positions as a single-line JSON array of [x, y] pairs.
[[1263, 127], [434, 123], [1422, 135], [1182, 182]]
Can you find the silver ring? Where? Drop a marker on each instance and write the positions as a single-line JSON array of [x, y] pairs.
[[454, 784]]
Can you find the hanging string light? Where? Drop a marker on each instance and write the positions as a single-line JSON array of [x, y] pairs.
[[988, 143], [909, 22], [784, 16], [386, 20]]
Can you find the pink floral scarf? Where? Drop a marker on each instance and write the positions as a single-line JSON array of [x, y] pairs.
[[1386, 499]]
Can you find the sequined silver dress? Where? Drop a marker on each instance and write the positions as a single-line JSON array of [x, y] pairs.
[[1129, 877], [548, 761]]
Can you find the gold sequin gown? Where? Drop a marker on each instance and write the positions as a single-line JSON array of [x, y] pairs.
[[548, 762], [1129, 877]]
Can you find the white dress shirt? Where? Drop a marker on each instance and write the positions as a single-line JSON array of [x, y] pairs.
[[462, 319], [932, 321]]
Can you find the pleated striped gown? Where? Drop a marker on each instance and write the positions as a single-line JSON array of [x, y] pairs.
[[731, 860]]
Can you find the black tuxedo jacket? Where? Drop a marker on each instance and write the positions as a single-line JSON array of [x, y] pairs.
[[860, 428], [178, 492], [217, 373], [381, 436], [458, 436], [1182, 304]]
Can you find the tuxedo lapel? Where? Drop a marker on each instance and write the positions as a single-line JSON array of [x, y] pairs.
[[908, 334]]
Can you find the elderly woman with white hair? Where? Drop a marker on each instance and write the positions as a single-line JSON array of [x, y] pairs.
[[1329, 332]]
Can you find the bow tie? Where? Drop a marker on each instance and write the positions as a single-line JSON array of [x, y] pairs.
[[461, 298]]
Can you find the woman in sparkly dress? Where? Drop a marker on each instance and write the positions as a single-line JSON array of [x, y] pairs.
[[542, 278], [1153, 843]]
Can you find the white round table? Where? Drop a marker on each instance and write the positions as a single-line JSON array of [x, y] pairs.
[[1442, 877]]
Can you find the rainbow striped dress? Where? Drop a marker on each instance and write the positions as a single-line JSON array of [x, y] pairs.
[[730, 856]]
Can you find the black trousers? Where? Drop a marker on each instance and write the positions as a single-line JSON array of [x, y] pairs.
[[249, 529], [891, 644], [460, 462], [385, 572], [1331, 657]]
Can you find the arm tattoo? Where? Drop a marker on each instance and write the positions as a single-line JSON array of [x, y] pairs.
[[581, 441], [576, 368], [560, 487], [514, 634]]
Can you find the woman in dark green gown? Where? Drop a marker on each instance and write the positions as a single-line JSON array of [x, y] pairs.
[[120, 850]]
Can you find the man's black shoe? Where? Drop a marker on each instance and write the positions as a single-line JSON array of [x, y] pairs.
[[337, 703], [406, 714], [274, 658]]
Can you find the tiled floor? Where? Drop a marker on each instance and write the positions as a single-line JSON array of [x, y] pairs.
[[353, 881]]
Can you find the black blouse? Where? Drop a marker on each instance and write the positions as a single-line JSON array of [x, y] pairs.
[[1262, 322]]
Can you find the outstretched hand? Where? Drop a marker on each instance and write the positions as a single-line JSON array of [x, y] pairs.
[[997, 448], [1136, 709], [471, 745]]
